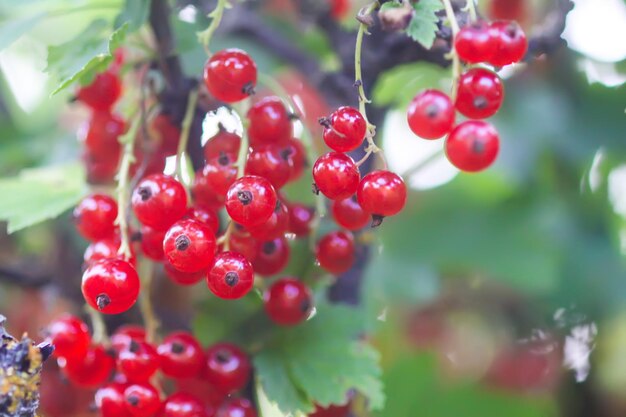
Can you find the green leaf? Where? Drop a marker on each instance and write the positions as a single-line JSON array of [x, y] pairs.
[[39, 194], [399, 85], [423, 25], [84, 56], [11, 30], [135, 13]]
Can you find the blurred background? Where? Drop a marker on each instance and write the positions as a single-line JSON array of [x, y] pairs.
[[499, 293]]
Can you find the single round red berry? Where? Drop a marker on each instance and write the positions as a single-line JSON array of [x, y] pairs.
[[336, 175], [511, 42], [288, 302], [138, 361], [271, 257], [183, 405], [70, 336], [335, 252], [300, 219], [126, 334], [163, 130], [100, 169], [110, 401], [345, 129], [223, 142], [215, 178], [206, 216], [101, 249], [237, 407], [296, 156], [152, 242], [472, 146], [244, 244], [431, 114], [189, 245], [227, 367], [381, 193], [251, 200], [479, 94], [183, 278], [159, 201], [110, 286], [95, 217], [269, 122], [91, 370], [142, 400], [181, 355], [475, 44], [275, 226], [230, 75], [103, 91], [349, 214], [100, 136], [270, 162], [231, 276]]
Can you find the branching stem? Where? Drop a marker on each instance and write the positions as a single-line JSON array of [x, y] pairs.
[[123, 186], [216, 15]]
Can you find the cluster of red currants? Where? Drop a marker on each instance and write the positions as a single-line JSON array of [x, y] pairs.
[[471, 145]]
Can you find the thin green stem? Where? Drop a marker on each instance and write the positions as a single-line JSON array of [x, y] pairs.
[[150, 320], [216, 15], [123, 186], [192, 101], [471, 8], [99, 328], [456, 62]]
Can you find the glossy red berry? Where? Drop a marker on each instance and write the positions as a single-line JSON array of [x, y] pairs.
[[227, 367], [110, 401], [475, 44], [275, 226], [511, 43], [270, 162], [91, 370], [472, 146], [230, 75], [189, 245], [244, 244], [152, 242], [271, 257], [126, 334], [431, 114], [100, 169], [215, 178], [181, 356], [183, 278], [479, 94], [138, 361], [100, 135], [223, 142], [345, 129], [296, 156], [163, 130], [142, 400], [269, 122], [70, 336], [231, 276], [336, 175], [183, 405], [110, 286], [300, 219], [103, 91], [288, 302], [251, 200], [95, 217], [335, 252], [382, 193], [349, 214], [101, 249], [159, 201], [205, 216], [237, 407]]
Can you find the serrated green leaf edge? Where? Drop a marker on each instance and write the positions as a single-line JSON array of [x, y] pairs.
[[423, 25]]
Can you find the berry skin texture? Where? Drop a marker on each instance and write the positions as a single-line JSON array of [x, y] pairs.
[[95, 217], [511, 43], [244, 244], [230, 75], [288, 302], [300, 219], [90, 370], [349, 214], [142, 400], [183, 405], [472, 146], [101, 249], [251, 200], [215, 178], [275, 226], [269, 122], [152, 243], [189, 245], [110, 286], [183, 278], [231, 276], [382, 193], [480, 93], [431, 114], [70, 337], [270, 162], [138, 361], [126, 334], [181, 356], [335, 252], [336, 175], [271, 257], [475, 44], [110, 401], [206, 216], [223, 142], [346, 131], [102, 93], [159, 201], [227, 367], [237, 407]]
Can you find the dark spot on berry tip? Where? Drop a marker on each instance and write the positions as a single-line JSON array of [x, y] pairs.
[[478, 146], [222, 356], [135, 237], [93, 407], [315, 189], [277, 206], [223, 159], [293, 116], [177, 348], [231, 278], [324, 121], [144, 193], [358, 83], [45, 349], [248, 89], [511, 30], [269, 247], [286, 153], [305, 305], [431, 111], [480, 102], [102, 301], [133, 346], [245, 197], [377, 220], [220, 127], [182, 242], [132, 400]]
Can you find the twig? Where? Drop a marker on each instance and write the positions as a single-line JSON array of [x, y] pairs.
[[184, 133], [99, 327], [456, 62], [150, 321], [216, 15]]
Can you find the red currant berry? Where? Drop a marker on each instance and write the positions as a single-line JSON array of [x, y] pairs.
[[223, 142], [271, 257], [296, 157], [101, 249], [166, 133], [110, 401], [231, 276], [331, 411], [202, 389], [472, 146], [251, 200], [300, 219], [339, 8], [349, 214], [288, 302], [475, 44], [230, 75], [103, 91], [126, 334], [70, 336], [90, 370], [269, 122], [189, 245], [244, 244], [382, 193], [275, 226], [517, 10], [227, 368], [183, 278], [152, 243], [480, 93], [95, 217], [431, 114], [336, 175], [100, 169], [101, 133], [215, 178], [138, 361], [335, 252], [205, 216], [270, 162], [159, 201], [111, 286], [142, 400], [181, 356], [237, 407], [183, 405], [345, 129], [511, 43]]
